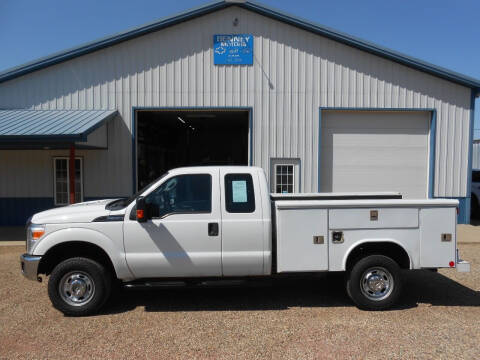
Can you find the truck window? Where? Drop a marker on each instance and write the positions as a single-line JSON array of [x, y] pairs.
[[239, 195], [181, 194]]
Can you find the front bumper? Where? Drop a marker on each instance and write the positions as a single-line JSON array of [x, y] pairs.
[[29, 265]]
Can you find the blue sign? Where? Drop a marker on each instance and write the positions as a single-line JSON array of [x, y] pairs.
[[233, 49]]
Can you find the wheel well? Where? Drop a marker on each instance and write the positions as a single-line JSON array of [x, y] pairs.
[[70, 249], [392, 250]]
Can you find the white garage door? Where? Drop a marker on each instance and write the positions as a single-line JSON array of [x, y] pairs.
[[375, 151]]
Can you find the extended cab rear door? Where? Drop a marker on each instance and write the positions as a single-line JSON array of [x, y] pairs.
[[242, 222]]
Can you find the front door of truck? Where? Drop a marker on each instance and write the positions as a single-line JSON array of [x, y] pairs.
[[182, 236]]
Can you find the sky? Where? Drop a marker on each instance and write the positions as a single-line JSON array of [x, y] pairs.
[[442, 32]]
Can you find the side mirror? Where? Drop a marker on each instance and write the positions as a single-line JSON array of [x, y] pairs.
[[141, 209]]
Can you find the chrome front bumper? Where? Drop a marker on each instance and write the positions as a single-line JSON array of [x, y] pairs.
[[29, 265]]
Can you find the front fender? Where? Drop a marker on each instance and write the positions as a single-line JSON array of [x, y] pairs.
[[113, 249]]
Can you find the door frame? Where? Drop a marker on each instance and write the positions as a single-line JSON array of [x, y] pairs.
[[133, 127], [431, 138]]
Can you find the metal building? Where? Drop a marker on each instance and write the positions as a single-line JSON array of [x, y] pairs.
[[233, 82], [476, 155]]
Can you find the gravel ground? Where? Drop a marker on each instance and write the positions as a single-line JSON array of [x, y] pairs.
[[439, 317]]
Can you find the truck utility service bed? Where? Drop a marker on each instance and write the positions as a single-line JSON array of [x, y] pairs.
[[305, 231]]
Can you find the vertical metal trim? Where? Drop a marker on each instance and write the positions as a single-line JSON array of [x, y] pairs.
[[431, 161], [133, 124], [71, 174], [470, 152], [250, 135], [319, 160], [463, 216]]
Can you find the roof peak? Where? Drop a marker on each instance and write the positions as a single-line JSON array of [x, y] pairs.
[[307, 25]]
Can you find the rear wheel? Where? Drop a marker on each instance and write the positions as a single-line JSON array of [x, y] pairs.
[[374, 282], [79, 286]]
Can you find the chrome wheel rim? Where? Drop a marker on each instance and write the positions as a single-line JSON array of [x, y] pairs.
[[76, 288], [376, 283]]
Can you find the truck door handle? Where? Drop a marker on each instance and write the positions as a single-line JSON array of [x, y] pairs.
[[212, 229]]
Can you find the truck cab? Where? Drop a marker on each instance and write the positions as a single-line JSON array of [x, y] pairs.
[[205, 221]]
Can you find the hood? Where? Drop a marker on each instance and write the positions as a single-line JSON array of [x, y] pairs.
[[75, 213]]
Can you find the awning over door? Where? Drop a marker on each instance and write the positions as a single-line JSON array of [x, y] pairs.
[[34, 128]]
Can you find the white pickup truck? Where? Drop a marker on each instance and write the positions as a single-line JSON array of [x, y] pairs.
[[199, 223]]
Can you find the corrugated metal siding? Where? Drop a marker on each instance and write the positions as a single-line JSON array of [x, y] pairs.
[[476, 156], [294, 73], [29, 173]]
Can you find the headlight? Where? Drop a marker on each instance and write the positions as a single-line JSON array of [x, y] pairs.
[[34, 232]]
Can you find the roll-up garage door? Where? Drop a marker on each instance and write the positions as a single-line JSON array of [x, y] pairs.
[[375, 151]]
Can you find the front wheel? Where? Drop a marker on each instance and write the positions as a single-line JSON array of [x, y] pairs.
[[374, 282], [79, 286]]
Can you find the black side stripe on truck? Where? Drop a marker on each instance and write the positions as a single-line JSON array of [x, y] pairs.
[[336, 197], [108, 218]]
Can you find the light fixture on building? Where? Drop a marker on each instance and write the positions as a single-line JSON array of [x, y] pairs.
[[201, 116], [235, 22], [185, 123]]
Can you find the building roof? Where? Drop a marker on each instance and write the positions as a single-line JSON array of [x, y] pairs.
[[255, 7], [50, 125]]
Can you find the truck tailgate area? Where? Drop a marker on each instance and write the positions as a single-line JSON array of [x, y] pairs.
[[316, 235]]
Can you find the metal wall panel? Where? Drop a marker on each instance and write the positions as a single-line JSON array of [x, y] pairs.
[[294, 73], [476, 155]]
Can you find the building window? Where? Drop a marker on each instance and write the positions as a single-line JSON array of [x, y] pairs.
[[284, 176], [62, 183], [284, 179]]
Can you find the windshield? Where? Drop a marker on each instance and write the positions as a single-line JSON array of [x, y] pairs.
[[121, 203]]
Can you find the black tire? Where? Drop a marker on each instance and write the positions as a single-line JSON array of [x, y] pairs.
[[79, 274], [381, 270]]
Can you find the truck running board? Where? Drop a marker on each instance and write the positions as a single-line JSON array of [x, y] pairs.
[[187, 283]]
